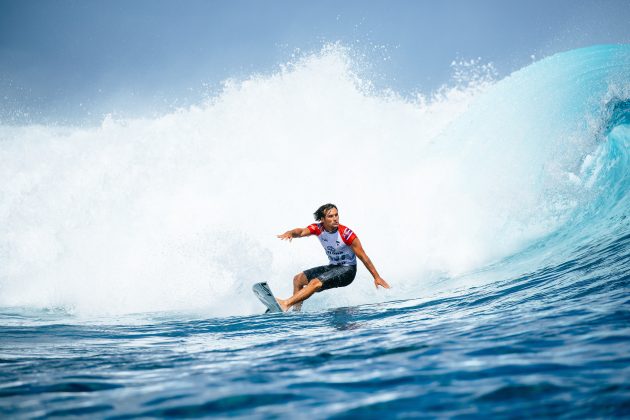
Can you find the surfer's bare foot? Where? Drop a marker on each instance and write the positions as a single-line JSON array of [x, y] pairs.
[[282, 304]]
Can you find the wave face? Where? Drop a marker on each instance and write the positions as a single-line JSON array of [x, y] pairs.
[[180, 212], [497, 209]]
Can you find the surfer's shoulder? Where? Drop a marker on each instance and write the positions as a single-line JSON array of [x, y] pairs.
[[347, 234], [315, 228]]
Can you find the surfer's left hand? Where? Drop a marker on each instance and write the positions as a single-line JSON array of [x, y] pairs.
[[378, 281]]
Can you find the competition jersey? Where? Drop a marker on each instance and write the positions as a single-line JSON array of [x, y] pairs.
[[336, 244]]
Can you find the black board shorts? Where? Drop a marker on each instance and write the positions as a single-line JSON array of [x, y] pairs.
[[332, 276]]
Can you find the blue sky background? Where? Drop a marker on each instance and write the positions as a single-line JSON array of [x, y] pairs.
[[74, 61]]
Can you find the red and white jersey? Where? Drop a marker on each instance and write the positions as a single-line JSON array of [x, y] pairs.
[[336, 244]]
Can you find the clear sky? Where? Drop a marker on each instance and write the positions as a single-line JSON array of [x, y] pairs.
[[76, 60]]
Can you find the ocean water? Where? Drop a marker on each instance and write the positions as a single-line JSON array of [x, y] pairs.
[[497, 209]]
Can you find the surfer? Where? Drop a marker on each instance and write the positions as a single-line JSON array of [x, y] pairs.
[[342, 247]]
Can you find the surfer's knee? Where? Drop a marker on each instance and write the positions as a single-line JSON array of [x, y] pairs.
[[300, 280], [316, 284]]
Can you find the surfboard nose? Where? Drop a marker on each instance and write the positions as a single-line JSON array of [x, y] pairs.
[[264, 294]]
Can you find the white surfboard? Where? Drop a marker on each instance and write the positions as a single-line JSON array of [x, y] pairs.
[[264, 294]]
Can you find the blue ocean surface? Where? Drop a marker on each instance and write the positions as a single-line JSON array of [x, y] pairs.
[[541, 331]]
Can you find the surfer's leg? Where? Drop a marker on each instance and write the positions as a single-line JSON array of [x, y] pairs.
[[299, 281], [304, 293]]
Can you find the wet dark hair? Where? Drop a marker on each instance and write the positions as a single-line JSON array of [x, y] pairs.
[[320, 213]]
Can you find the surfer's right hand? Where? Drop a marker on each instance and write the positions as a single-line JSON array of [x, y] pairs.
[[286, 236]]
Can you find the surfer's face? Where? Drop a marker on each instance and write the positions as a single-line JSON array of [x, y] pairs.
[[331, 219]]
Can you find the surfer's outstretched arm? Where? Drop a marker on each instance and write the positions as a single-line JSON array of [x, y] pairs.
[[360, 253], [294, 233]]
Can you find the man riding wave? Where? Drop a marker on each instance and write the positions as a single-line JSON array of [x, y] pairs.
[[342, 246]]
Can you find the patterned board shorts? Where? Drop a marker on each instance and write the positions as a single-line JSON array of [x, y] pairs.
[[332, 276]]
